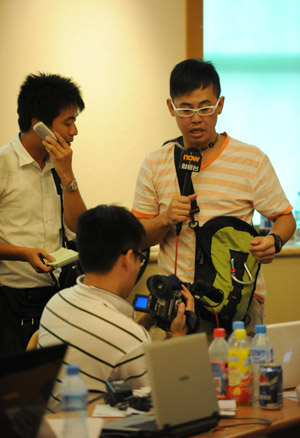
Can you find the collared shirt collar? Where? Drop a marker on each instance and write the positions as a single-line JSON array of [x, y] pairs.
[[114, 300], [24, 157]]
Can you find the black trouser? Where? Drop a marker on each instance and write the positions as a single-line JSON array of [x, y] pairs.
[[20, 313]]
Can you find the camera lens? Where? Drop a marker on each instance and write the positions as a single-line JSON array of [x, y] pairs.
[[159, 286]]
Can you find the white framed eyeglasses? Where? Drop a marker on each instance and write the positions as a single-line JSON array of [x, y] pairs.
[[189, 112]]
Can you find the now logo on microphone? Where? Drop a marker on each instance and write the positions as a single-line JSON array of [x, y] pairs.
[[191, 160]]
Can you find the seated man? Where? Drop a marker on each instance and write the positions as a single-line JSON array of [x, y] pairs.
[[93, 317]]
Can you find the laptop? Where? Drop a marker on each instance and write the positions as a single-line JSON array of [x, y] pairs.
[[26, 381], [183, 393], [285, 337]]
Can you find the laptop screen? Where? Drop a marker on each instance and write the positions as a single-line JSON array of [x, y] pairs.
[[26, 381], [285, 337], [181, 379]]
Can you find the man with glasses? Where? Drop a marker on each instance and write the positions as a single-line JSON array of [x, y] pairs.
[[234, 179], [93, 317]]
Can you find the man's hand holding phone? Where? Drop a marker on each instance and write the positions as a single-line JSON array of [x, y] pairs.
[[42, 130], [58, 149]]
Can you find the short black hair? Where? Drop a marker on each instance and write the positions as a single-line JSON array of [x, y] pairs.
[[192, 74], [44, 96], [103, 234]]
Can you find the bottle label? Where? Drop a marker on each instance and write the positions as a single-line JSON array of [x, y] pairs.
[[260, 355], [73, 402], [240, 375], [297, 215], [265, 223], [220, 375]]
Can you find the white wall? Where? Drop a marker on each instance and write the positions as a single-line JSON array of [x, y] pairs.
[[121, 53]]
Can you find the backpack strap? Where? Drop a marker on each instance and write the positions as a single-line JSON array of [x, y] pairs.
[[62, 233], [178, 150], [56, 178]]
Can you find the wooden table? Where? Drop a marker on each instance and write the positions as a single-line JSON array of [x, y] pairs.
[[285, 422]]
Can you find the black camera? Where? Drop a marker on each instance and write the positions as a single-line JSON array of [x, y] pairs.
[[161, 303], [119, 394], [165, 295]]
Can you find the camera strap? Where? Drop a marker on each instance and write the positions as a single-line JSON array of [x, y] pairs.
[[192, 321]]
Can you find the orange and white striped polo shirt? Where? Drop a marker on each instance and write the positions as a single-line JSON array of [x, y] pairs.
[[236, 181]]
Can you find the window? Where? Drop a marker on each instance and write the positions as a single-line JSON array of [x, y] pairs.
[[255, 47]]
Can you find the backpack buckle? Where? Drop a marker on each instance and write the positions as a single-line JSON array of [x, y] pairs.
[[234, 277], [193, 224]]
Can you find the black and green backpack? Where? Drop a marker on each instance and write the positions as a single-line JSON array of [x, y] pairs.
[[223, 260]]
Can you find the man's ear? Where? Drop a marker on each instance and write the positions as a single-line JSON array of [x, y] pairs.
[[221, 105], [34, 120], [127, 258], [170, 107]]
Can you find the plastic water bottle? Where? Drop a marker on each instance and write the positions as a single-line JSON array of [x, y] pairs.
[[265, 226], [261, 351], [218, 353], [235, 326], [297, 218], [73, 404], [240, 369]]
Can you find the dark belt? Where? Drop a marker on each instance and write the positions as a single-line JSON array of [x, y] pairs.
[[39, 292], [34, 293]]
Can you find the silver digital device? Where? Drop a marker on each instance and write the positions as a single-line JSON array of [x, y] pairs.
[[42, 130]]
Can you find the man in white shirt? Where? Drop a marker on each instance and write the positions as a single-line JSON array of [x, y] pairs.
[[93, 317], [30, 212]]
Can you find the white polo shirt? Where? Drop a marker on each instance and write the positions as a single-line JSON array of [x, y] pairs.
[[102, 335], [30, 213]]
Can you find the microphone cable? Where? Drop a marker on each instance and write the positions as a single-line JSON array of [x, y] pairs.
[[176, 254], [216, 316]]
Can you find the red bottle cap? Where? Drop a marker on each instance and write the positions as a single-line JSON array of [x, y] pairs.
[[219, 333]]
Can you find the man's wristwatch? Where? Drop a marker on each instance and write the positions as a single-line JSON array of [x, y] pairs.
[[278, 242], [70, 187]]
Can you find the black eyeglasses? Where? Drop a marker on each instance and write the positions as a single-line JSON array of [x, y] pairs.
[[141, 256]]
